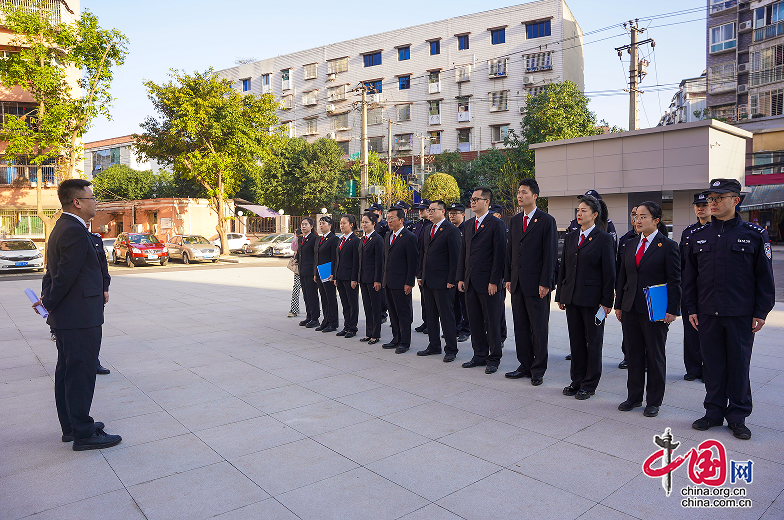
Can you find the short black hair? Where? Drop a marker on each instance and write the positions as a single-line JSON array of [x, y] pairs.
[[531, 184], [486, 193], [441, 204], [309, 220], [399, 213], [372, 217], [352, 221], [326, 219], [71, 189]]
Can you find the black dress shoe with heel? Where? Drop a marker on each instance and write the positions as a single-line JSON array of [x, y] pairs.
[[472, 364], [373, 341], [629, 405], [536, 381], [329, 329], [429, 352], [421, 328], [491, 369], [102, 371], [623, 364], [705, 423], [350, 334], [582, 395], [401, 349], [517, 374], [313, 324], [342, 333], [388, 345], [366, 338], [303, 323], [570, 390], [740, 431], [448, 358], [651, 411]]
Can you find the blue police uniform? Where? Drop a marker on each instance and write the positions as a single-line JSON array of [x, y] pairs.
[[692, 356]]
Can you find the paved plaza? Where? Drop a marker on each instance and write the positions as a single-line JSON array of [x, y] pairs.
[[228, 409]]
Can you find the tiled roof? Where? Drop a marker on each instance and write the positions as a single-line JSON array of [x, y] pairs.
[[108, 142]]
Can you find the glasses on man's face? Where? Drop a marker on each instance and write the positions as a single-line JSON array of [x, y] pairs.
[[391, 218], [85, 198], [474, 200], [433, 210], [717, 199]]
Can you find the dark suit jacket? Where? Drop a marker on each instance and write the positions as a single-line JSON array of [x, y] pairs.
[[371, 258], [660, 264], [325, 250], [531, 256], [305, 254], [400, 260], [98, 244], [438, 257], [587, 274], [482, 254], [348, 259], [72, 288]]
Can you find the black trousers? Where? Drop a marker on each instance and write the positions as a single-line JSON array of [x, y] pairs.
[[422, 304], [645, 342], [384, 306], [585, 340], [310, 294], [329, 303], [692, 355], [74, 378], [502, 295], [440, 305], [461, 314], [484, 314], [400, 316], [371, 301], [349, 300], [726, 343], [531, 316]]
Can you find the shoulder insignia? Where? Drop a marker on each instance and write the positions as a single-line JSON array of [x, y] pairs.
[[754, 226], [701, 228], [767, 251]]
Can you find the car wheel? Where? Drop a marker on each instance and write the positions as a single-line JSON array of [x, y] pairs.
[[214, 260], [128, 261], [164, 261], [268, 252], [185, 259]]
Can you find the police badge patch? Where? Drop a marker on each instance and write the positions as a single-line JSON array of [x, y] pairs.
[[767, 251]]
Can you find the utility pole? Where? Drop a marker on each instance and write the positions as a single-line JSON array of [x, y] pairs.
[[388, 189], [422, 155], [636, 71], [363, 182]]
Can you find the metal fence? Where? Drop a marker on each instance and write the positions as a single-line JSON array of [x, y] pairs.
[[22, 223], [23, 175], [259, 225]]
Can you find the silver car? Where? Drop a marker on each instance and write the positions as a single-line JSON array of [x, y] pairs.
[[192, 247], [20, 253]]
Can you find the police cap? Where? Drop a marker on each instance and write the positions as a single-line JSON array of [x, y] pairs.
[[724, 186], [701, 198]]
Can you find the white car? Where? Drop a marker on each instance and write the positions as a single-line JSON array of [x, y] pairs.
[[237, 241], [20, 253]]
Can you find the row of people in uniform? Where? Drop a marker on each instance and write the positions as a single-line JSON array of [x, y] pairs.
[[592, 277]]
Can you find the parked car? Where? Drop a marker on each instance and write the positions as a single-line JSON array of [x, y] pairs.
[[260, 246], [283, 248], [108, 247], [237, 241], [139, 249], [192, 247], [267, 248], [20, 253]]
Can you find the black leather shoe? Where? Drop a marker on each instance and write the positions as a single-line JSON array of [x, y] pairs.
[[448, 358], [421, 328], [428, 352], [651, 411], [472, 364], [628, 405], [517, 374], [704, 423], [342, 333], [568, 357], [69, 438], [329, 329], [350, 334], [536, 381], [99, 440], [401, 350], [582, 395], [740, 431], [388, 345], [623, 364], [491, 369], [102, 371], [373, 341], [366, 338], [313, 324], [570, 390], [303, 323], [321, 327], [691, 377], [462, 337], [425, 331]]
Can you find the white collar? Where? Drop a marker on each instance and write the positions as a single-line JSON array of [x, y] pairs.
[[368, 234], [587, 231], [77, 217], [437, 224], [480, 219], [306, 236], [530, 215], [649, 238]]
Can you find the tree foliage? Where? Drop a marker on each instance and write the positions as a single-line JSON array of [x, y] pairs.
[[208, 133], [394, 186], [441, 186], [121, 182]]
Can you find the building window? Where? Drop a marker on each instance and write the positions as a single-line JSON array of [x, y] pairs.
[[311, 71], [246, 84], [265, 80], [538, 62], [463, 73], [373, 87], [498, 100], [403, 142], [404, 112], [767, 66], [337, 93], [435, 47], [462, 42], [372, 60], [498, 133], [768, 15], [722, 78], [102, 159], [435, 142], [498, 36], [537, 30], [404, 82], [720, 5], [463, 109], [773, 160], [723, 37], [344, 146], [404, 53], [375, 116], [434, 82], [310, 98], [287, 102], [289, 126], [337, 65], [770, 103], [311, 126], [284, 79], [376, 144], [464, 140], [435, 112], [497, 68], [339, 121]]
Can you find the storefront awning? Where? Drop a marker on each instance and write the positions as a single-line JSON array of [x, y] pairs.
[[764, 197], [262, 211]]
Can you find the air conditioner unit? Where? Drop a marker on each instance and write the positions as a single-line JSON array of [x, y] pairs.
[[528, 80], [375, 98], [745, 26], [742, 89], [331, 76], [743, 67], [522, 111], [330, 108], [331, 135]]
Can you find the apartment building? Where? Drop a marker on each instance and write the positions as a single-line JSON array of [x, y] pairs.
[[460, 83], [99, 155], [688, 103]]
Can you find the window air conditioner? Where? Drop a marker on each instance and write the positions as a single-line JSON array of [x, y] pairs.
[[743, 67], [375, 98], [744, 26], [743, 88], [330, 108], [331, 135], [528, 80], [522, 111], [331, 76]]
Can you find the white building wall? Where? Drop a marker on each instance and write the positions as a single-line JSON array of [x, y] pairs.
[[565, 43]]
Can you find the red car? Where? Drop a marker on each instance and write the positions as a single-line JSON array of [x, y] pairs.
[[139, 249]]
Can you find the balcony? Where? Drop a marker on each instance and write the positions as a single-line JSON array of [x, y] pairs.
[[434, 88], [463, 116], [435, 149], [720, 7], [768, 32], [434, 119]]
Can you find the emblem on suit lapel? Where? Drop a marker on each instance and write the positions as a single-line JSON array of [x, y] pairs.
[[590, 238], [536, 220], [659, 244], [480, 227]]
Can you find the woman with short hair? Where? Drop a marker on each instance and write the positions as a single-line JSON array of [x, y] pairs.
[[305, 257], [347, 275], [325, 253], [371, 261]]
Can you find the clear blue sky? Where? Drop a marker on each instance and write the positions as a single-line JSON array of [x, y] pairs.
[[196, 35]]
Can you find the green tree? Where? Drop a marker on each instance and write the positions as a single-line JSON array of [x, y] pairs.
[[441, 186], [452, 163], [121, 182], [209, 133], [394, 187], [67, 68], [168, 184]]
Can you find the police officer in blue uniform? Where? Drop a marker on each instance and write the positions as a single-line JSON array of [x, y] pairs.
[[419, 228], [692, 356], [729, 291], [457, 217], [618, 263]]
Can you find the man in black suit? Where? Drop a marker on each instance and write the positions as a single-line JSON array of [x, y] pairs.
[[419, 230], [98, 243], [632, 233], [382, 228], [305, 256], [457, 217], [479, 273], [325, 252], [436, 277], [400, 264], [530, 263], [72, 291]]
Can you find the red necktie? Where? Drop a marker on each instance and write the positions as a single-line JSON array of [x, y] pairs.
[[342, 242], [433, 232], [393, 239], [321, 239], [476, 225], [641, 251], [582, 238], [525, 223], [364, 241]]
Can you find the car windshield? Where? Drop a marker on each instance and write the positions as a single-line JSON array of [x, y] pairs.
[[269, 238], [142, 239], [109, 241], [284, 238], [17, 245], [194, 240]]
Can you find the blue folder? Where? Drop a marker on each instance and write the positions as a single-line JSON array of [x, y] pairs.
[[656, 298], [325, 271]]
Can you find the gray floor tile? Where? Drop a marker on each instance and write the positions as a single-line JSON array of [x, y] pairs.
[[269, 509], [498, 442], [600, 512], [431, 512], [117, 504], [549, 419], [249, 436], [282, 398], [141, 429], [321, 417], [341, 385], [214, 413], [370, 440], [485, 401], [434, 420], [382, 401]]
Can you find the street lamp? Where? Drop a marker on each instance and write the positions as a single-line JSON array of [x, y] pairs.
[[240, 213], [281, 212], [323, 211]]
